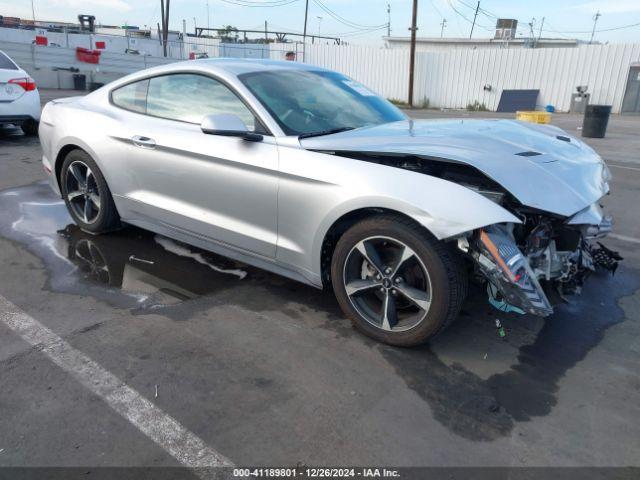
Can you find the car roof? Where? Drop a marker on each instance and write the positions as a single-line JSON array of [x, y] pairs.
[[225, 68], [238, 66]]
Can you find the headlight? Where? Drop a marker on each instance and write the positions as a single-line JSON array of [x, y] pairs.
[[495, 197]]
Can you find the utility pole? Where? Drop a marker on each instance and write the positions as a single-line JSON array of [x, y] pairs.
[[161, 32], [388, 19], [166, 29], [412, 53], [442, 25], [319, 23], [304, 33], [183, 51], [306, 14], [33, 12], [165, 26], [474, 18], [208, 24], [266, 35], [595, 20], [540, 31]]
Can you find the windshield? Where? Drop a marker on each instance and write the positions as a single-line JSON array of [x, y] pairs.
[[313, 102]]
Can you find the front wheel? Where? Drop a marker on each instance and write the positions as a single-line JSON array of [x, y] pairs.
[[87, 194], [395, 281]]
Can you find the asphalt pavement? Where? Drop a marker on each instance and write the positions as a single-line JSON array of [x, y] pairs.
[[151, 347]]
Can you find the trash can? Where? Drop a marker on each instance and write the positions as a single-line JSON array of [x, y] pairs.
[[596, 118], [79, 81], [95, 85]]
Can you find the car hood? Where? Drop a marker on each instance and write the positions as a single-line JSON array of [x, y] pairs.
[[540, 165]]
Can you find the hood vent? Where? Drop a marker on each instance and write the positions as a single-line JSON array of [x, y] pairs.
[[563, 138], [529, 154]]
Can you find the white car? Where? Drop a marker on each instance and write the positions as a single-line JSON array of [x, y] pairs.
[[19, 97]]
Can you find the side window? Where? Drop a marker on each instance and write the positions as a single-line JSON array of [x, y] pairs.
[[132, 97], [189, 98]]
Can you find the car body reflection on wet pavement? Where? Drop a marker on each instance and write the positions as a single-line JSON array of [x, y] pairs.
[[149, 269], [135, 261]]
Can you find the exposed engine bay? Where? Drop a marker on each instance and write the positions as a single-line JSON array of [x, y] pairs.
[[527, 267]]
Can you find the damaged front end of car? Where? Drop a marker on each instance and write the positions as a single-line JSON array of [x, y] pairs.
[[551, 183], [530, 267]]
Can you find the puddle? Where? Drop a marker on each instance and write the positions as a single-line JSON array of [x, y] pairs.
[[131, 268], [139, 270]]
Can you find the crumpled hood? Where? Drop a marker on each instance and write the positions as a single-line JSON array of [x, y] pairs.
[[565, 176]]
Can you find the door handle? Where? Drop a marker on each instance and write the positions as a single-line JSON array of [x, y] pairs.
[[144, 142]]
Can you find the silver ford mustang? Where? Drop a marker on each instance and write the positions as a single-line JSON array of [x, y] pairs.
[[307, 173]]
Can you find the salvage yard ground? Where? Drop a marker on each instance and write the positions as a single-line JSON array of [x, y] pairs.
[[153, 348]]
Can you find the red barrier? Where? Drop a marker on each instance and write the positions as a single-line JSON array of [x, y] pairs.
[[87, 56]]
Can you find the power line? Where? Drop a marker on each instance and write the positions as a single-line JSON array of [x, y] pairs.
[[256, 4], [355, 33], [621, 27], [550, 30], [486, 13], [343, 20], [462, 15], [436, 8]]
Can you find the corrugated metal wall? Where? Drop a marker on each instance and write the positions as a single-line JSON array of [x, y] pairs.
[[446, 79], [384, 71], [455, 79]]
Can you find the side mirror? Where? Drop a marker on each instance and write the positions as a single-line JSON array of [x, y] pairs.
[[228, 125]]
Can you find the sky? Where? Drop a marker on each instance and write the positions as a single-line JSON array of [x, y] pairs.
[[358, 21]]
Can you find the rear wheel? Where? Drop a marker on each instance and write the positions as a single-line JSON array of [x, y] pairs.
[[87, 195], [30, 127], [395, 281]]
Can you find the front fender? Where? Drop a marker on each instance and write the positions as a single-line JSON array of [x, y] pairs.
[[318, 189], [446, 212]]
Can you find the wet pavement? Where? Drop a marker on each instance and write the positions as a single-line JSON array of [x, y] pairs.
[[267, 371]]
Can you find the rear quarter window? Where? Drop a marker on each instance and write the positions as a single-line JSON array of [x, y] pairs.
[[6, 63], [132, 96]]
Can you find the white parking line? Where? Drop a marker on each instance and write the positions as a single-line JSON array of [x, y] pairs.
[[621, 166], [168, 433], [624, 238]]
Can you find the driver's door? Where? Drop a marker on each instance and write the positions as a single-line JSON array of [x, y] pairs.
[[213, 187]]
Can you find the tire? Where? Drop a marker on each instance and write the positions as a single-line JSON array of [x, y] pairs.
[[434, 270], [30, 127], [101, 216]]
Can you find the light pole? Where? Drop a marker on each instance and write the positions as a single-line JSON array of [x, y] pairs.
[[442, 25], [319, 23]]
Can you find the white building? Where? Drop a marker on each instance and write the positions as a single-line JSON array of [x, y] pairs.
[[430, 44]]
